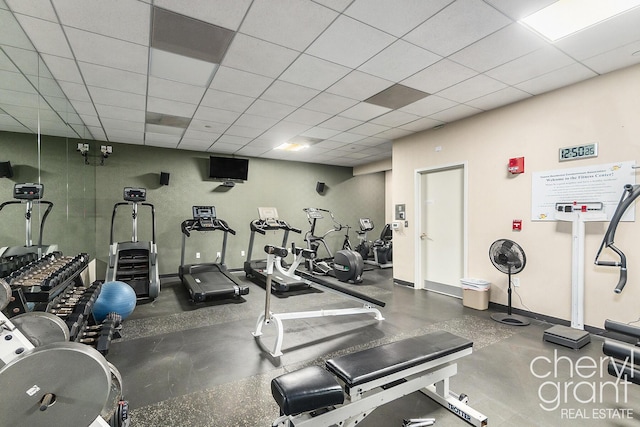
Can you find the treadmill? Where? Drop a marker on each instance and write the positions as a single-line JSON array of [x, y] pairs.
[[256, 270], [207, 280], [135, 262], [29, 194]]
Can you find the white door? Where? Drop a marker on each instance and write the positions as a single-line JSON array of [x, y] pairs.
[[441, 239]]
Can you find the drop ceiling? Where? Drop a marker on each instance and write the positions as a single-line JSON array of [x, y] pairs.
[[240, 77]]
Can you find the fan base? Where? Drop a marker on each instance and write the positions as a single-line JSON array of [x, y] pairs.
[[510, 319]]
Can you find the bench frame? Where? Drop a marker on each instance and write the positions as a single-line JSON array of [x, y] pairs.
[[431, 378]]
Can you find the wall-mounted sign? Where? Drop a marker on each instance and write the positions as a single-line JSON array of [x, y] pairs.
[[578, 152]]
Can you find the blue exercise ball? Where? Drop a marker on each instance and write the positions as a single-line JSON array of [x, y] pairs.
[[115, 297]]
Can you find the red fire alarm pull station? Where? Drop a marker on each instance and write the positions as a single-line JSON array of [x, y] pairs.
[[517, 225], [516, 165]]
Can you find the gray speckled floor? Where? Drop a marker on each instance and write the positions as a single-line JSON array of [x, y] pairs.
[[199, 365]]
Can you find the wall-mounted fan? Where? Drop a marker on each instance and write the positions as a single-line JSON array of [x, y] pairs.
[[508, 257]]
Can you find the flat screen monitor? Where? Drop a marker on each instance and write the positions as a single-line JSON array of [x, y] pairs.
[[228, 168]]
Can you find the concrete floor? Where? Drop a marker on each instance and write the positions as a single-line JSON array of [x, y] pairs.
[[199, 365]]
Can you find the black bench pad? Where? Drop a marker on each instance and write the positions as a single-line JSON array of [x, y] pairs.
[[305, 390], [371, 364]]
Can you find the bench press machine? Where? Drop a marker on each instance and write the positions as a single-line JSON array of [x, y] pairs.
[[354, 385], [275, 255]]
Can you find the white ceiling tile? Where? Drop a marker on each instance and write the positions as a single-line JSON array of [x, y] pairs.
[[337, 5], [500, 47], [75, 91], [439, 76], [460, 24], [64, 69], [113, 78], [113, 124], [615, 59], [284, 131], [128, 21], [171, 107], [364, 42], [270, 109], [258, 56], [556, 79], [223, 13], [226, 101], [92, 120], [216, 115], [308, 117], [244, 131], [421, 124], [313, 72], [11, 33], [26, 61], [165, 130], [46, 36], [359, 85], [427, 106], [396, 18], [331, 144], [257, 122], [330, 103], [347, 137], [117, 98], [319, 132], [395, 118], [97, 49], [499, 98], [369, 129], [172, 90], [99, 135], [12, 97], [531, 65], [474, 87], [161, 140], [265, 143], [288, 93], [290, 23], [518, 9], [399, 61], [252, 151], [240, 82], [210, 134], [179, 68], [193, 144], [220, 147], [232, 139], [364, 111], [112, 112], [607, 35], [458, 112], [34, 8], [119, 135], [341, 123]]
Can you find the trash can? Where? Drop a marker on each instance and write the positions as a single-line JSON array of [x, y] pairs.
[[475, 293]]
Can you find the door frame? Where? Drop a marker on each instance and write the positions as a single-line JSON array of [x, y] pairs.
[[419, 211]]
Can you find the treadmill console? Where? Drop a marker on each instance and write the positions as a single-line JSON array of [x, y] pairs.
[[28, 191], [135, 194], [204, 215], [269, 216]]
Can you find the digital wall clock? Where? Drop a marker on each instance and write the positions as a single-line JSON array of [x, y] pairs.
[[578, 152]]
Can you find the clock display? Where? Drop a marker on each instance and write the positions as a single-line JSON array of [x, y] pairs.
[[578, 152]]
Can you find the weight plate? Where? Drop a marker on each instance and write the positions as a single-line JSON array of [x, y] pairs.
[[41, 328], [115, 394], [77, 376], [5, 294]]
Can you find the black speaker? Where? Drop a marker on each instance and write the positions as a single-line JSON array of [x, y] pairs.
[[164, 178], [6, 170], [320, 187]]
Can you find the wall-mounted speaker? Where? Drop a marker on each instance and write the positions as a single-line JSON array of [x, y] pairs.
[[6, 170], [320, 187], [164, 178]]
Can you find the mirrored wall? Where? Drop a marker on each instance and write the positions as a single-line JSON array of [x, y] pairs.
[[42, 148]]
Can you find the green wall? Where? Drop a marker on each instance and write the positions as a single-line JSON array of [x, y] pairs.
[[84, 196]]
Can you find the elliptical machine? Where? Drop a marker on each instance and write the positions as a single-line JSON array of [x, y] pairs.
[[347, 265], [135, 262]]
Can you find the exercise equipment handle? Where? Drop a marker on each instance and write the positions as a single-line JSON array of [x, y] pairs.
[[622, 281], [225, 226], [276, 250]]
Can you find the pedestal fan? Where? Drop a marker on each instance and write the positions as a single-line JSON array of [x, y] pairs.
[[508, 257]]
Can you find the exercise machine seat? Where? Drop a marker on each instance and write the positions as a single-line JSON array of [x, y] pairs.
[[305, 390], [374, 363]]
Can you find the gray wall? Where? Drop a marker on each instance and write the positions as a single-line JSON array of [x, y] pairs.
[[84, 196]]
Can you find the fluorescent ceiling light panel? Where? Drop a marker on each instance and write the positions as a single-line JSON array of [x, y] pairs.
[[291, 146], [170, 66], [566, 17]]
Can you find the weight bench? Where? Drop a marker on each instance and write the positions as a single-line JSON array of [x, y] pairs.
[[352, 386]]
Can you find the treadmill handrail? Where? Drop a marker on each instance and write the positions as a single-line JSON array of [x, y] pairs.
[[261, 226]]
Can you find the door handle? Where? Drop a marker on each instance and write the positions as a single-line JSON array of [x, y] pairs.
[[423, 236]]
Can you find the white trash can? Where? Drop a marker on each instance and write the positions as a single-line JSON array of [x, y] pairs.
[[475, 293]]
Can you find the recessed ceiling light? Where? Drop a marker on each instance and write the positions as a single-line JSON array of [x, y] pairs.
[[291, 146], [566, 17]]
